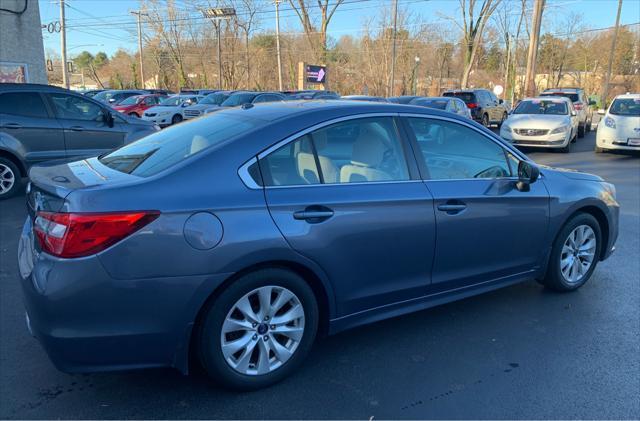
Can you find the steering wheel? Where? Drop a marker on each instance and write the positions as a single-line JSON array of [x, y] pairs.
[[492, 172]]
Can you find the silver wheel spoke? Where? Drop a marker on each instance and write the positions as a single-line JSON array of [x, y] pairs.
[[276, 337], [578, 253]]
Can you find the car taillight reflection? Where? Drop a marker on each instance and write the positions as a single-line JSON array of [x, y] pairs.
[[71, 235]]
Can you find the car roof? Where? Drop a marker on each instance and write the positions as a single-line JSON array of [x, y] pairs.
[[33, 86], [629, 95]]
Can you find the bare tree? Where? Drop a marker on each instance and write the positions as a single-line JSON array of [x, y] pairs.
[[248, 24], [317, 38]]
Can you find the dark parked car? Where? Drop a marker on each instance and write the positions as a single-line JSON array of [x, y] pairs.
[[405, 99], [485, 107], [241, 236], [445, 103], [198, 91], [247, 97], [364, 98], [92, 92], [313, 95], [40, 122], [115, 97], [206, 105]]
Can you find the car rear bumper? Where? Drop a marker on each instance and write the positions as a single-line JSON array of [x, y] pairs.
[[88, 321]]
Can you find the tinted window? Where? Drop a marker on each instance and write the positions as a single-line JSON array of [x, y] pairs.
[[467, 97], [355, 151], [25, 104], [75, 107], [440, 104], [454, 151], [238, 99], [572, 97], [150, 100], [267, 98], [215, 99], [162, 150], [132, 100]]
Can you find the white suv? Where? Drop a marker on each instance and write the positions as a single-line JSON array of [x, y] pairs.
[[619, 127], [581, 104]]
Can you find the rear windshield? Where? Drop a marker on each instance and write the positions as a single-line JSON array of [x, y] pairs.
[[536, 106], [440, 104], [571, 96], [238, 99], [164, 149], [467, 97], [626, 106]]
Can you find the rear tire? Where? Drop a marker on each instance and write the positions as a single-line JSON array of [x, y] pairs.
[[580, 131], [10, 178], [600, 150], [176, 119], [217, 347], [555, 279], [485, 120]]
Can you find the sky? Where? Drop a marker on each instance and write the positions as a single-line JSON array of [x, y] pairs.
[[107, 25]]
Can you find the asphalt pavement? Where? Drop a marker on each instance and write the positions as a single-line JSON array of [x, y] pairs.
[[520, 352]]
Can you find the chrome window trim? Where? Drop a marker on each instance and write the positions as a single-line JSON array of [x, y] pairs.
[[243, 173]]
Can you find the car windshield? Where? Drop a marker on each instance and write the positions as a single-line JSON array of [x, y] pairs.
[[238, 99], [164, 149], [132, 100], [571, 96], [539, 106], [215, 99], [626, 106], [467, 97], [172, 101], [440, 104]]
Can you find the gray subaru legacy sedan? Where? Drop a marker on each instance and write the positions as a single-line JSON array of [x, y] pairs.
[[240, 237]]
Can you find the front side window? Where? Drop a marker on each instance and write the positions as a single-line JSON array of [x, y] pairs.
[[73, 107], [354, 151], [23, 104], [453, 151]]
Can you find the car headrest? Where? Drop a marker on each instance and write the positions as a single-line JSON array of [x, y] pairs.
[[368, 149]]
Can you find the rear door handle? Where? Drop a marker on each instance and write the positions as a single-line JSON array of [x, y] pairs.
[[76, 128], [12, 126], [452, 207], [313, 214]]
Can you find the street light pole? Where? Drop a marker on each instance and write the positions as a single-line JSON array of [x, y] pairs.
[[607, 79], [415, 75], [139, 14], [216, 15], [277, 2], [63, 46]]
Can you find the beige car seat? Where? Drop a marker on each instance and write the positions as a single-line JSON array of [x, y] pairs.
[[368, 154], [307, 168]]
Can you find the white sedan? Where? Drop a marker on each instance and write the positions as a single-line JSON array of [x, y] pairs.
[[169, 111], [542, 122], [620, 126]]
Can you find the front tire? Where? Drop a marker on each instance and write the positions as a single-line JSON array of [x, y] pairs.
[[9, 179], [575, 254], [176, 119], [259, 329]]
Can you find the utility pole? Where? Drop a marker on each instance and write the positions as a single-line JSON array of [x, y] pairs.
[[63, 46], [530, 76], [277, 2], [139, 14], [393, 48], [607, 79], [507, 67]]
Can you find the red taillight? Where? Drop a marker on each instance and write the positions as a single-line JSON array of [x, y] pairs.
[[82, 234], [472, 105], [577, 106]]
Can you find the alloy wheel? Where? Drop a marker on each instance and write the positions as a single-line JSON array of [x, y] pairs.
[[7, 178], [578, 254], [262, 330]]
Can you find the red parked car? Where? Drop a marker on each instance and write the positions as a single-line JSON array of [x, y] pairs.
[[135, 105]]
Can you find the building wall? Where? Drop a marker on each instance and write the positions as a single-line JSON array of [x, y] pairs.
[[21, 47]]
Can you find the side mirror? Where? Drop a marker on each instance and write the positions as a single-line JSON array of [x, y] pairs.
[[501, 101], [592, 102], [107, 117], [112, 100], [601, 111], [528, 173], [573, 113]]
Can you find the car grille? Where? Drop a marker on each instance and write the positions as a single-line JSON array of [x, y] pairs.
[[531, 132], [150, 114]]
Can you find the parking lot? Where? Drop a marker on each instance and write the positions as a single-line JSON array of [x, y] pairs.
[[519, 352]]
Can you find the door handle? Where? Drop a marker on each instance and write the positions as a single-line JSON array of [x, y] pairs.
[[452, 207], [76, 128], [12, 126], [313, 214]]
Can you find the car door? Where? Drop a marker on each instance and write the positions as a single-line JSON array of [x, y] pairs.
[[86, 128], [496, 110], [346, 196], [487, 229], [28, 127]]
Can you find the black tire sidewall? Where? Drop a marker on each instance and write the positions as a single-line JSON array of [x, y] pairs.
[[176, 119], [16, 176], [209, 348], [581, 130], [485, 120], [554, 278]]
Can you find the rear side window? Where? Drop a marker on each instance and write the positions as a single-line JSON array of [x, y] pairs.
[[354, 151], [164, 149], [73, 107], [24, 104], [467, 97], [571, 96]]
